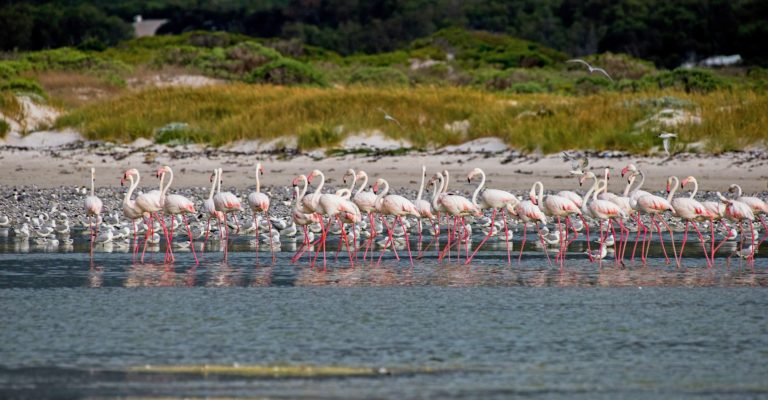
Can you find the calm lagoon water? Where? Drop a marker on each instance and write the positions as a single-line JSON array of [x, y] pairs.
[[76, 325]]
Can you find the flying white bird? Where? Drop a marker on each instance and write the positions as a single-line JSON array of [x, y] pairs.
[[666, 136], [579, 165], [389, 117], [591, 68]]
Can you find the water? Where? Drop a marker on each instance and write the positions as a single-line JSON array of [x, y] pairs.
[[74, 326]]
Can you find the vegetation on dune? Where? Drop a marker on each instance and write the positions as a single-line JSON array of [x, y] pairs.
[[429, 116]]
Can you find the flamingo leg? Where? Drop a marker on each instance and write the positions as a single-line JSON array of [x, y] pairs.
[[703, 245], [685, 239], [520, 257], [586, 227], [637, 237], [407, 242], [345, 237], [191, 241], [616, 245], [477, 248], [506, 235], [602, 243], [390, 242]]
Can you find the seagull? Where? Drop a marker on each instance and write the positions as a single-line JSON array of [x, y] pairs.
[[665, 136], [578, 165], [591, 68], [389, 117]]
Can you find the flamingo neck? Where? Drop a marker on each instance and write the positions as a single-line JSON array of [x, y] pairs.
[[258, 181], [674, 187], [383, 191], [354, 182], [538, 194], [298, 197], [695, 188], [218, 180], [167, 185], [738, 190], [93, 181], [316, 195], [447, 180], [306, 186], [478, 189], [421, 187], [213, 183], [639, 184], [131, 188], [363, 185], [588, 195], [438, 190], [630, 181]]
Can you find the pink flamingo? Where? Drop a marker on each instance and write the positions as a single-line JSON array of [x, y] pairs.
[[151, 203], [528, 212], [366, 202], [604, 210], [210, 208], [456, 206], [302, 219], [652, 205], [555, 206], [423, 206], [259, 203], [174, 204], [691, 211], [715, 208], [227, 203], [758, 206], [738, 211], [332, 206], [397, 206], [494, 199], [93, 206], [130, 210]]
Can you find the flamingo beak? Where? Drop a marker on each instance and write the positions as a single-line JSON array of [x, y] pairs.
[[375, 188], [122, 181], [624, 171]]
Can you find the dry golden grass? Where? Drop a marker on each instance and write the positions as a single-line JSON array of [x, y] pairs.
[[546, 122], [73, 89]]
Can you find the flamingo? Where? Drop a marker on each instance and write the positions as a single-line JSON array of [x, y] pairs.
[[738, 211], [495, 199], [632, 172], [227, 203], [130, 210], [689, 210], [93, 206], [259, 203], [555, 206], [454, 205], [604, 210], [652, 205], [423, 206], [175, 204], [528, 212], [151, 203], [758, 206], [210, 208], [332, 206], [397, 206], [302, 219]]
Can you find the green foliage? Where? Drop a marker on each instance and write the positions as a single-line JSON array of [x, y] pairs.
[[689, 80], [313, 136], [5, 127], [527, 87], [12, 68], [286, 71], [378, 76], [22, 86]]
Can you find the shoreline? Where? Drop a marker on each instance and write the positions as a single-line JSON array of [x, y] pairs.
[[508, 170]]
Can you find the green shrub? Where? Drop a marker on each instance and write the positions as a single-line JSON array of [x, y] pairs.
[[690, 80], [314, 136], [22, 85], [527, 87], [378, 76], [286, 71], [5, 127], [12, 68]]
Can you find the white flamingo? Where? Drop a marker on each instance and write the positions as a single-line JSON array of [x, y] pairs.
[[396, 206], [175, 204], [496, 200], [227, 203], [93, 206], [259, 203]]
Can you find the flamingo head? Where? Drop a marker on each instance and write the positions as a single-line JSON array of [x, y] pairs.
[[212, 176], [669, 184], [260, 169], [350, 172], [376, 185], [624, 171], [532, 196], [360, 175], [733, 188], [162, 170], [686, 180], [313, 174], [474, 172]]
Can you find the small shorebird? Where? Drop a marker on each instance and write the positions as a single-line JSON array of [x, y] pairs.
[[591, 68]]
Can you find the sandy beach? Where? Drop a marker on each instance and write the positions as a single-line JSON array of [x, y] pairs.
[[68, 166]]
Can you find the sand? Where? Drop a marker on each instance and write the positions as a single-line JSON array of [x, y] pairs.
[[48, 167]]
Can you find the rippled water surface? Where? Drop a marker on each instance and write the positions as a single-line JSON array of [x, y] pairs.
[[78, 325]]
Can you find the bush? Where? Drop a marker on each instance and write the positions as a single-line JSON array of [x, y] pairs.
[[5, 127], [527, 87], [378, 76], [315, 136], [11, 69], [286, 71], [21, 85], [690, 80]]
